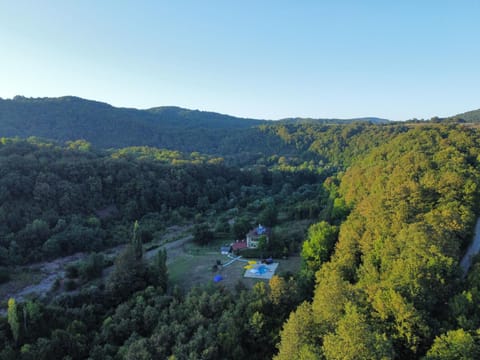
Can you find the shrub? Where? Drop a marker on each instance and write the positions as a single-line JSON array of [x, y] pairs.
[[4, 275], [70, 285]]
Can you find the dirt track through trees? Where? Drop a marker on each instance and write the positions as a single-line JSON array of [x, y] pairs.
[[50, 271]]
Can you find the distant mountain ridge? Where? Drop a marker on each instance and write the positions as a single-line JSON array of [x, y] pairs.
[[470, 116], [105, 126], [167, 115], [297, 120], [201, 118]]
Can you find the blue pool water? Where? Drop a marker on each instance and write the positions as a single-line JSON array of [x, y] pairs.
[[262, 269]]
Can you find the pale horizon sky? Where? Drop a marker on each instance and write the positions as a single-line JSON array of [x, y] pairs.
[[260, 59]]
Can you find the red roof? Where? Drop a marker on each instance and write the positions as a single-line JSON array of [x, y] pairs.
[[239, 245]]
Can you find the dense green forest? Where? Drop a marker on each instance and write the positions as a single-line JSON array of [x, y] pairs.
[[391, 209], [56, 200], [71, 118], [393, 285]]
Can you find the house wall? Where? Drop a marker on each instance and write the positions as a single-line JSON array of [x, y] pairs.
[[251, 243]]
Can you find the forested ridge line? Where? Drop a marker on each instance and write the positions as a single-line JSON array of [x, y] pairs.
[[392, 288], [71, 118]]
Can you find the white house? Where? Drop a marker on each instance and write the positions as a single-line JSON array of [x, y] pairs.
[[254, 235]]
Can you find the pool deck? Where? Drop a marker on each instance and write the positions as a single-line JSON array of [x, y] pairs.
[[267, 275]]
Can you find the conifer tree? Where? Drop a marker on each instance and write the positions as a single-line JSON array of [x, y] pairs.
[[137, 241], [161, 264]]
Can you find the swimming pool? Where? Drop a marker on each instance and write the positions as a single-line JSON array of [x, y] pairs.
[[261, 271]]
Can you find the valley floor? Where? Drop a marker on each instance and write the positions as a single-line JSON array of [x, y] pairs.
[[189, 265]]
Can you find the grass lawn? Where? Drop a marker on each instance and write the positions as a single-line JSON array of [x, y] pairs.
[[192, 264], [192, 268]]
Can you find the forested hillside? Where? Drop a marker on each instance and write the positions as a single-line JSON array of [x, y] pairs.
[[390, 208], [105, 126], [71, 118], [387, 290], [56, 200], [470, 116]]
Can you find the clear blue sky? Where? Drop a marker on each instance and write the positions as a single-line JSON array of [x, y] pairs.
[[254, 58]]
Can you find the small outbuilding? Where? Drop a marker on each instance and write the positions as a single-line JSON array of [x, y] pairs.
[[225, 250]]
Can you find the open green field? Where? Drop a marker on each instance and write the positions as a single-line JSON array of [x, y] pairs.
[[193, 266]]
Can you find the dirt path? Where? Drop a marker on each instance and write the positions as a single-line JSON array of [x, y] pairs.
[[50, 271], [173, 248], [472, 250]]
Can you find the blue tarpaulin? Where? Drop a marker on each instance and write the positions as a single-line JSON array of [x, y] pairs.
[[217, 278]]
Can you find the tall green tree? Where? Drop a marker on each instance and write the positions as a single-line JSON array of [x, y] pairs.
[[13, 319], [241, 227], [137, 241], [319, 244], [159, 270], [268, 216], [202, 234], [298, 336], [356, 339], [455, 345]]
